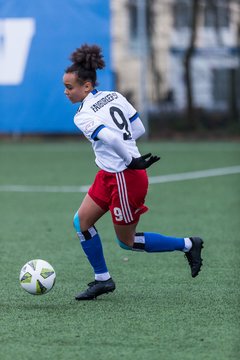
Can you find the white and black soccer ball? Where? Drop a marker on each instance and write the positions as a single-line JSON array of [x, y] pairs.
[[37, 277]]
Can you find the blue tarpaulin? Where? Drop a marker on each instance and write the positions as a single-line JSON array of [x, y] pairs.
[[36, 40]]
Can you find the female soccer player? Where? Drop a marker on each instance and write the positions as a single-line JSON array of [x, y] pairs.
[[112, 125]]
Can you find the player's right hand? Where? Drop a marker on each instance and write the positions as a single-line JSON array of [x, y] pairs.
[[143, 162]]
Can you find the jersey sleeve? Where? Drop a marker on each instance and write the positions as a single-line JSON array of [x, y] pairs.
[[137, 128], [89, 126], [131, 111]]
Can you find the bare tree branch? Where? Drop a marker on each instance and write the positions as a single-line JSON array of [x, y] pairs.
[[191, 121]]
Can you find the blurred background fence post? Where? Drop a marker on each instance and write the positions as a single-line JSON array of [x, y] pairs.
[[143, 56]]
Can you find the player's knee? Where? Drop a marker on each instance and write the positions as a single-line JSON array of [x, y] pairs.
[[80, 224], [123, 245]]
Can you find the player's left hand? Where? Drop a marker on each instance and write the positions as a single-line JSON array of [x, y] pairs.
[[143, 162]]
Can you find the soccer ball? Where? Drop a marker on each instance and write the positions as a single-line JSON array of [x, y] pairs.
[[37, 277]]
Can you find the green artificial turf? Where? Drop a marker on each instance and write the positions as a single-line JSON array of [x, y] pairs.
[[157, 311]]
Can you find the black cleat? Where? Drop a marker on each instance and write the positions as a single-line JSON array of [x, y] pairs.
[[194, 255], [96, 288]]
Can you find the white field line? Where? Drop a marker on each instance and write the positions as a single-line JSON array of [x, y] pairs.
[[152, 180], [195, 175]]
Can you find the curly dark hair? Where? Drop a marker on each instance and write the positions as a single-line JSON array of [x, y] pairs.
[[86, 60]]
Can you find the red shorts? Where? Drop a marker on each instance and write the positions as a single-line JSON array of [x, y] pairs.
[[122, 193]]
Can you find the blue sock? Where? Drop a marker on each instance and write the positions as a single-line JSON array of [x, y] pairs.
[[94, 252], [153, 242]]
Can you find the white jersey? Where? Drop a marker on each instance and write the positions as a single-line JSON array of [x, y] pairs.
[[112, 110]]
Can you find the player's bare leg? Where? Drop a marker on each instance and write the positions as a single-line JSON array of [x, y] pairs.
[[126, 233], [89, 213]]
